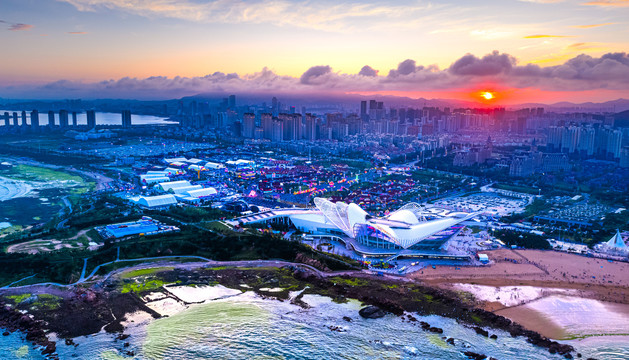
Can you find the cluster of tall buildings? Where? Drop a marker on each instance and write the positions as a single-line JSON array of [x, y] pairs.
[[534, 162], [283, 127], [586, 141], [61, 120], [279, 122]]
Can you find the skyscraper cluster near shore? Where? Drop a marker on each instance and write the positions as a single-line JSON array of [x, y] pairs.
[[63, 120]]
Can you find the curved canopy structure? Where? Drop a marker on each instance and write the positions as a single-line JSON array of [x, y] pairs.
[[402, 228], [404, 216], [157, 201], [336, 213], [413, 207]]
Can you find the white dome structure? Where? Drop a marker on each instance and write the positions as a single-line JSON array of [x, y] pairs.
[[405, 216]]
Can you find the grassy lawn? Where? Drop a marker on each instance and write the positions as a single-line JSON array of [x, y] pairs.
[[517, 188], [35, 173], [215, 226], [144, 272], [43, 174]]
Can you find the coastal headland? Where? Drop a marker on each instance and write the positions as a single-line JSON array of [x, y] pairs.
[[109, 302]]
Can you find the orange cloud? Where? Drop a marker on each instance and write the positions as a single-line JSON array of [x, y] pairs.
[[582, 46], [20, 27], [612, 3], [592, 25], [546, 36], [552, 59]]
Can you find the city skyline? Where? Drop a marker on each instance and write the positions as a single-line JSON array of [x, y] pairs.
[[521, 51]]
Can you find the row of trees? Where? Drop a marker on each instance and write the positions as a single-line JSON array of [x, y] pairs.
[[522, 239], [64, 266]]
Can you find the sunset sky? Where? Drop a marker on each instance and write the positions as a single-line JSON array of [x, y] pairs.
[[533, 50]]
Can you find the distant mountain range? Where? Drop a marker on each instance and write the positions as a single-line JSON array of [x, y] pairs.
[[353, 100], [616, 106], [320, 103]]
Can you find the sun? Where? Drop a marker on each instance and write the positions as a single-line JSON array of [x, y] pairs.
[[487, 95]]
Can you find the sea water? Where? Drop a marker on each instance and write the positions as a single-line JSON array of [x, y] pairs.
[[102, 118], [250, 327]]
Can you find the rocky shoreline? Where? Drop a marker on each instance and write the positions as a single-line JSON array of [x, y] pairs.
[[103, 306], [12, 320]]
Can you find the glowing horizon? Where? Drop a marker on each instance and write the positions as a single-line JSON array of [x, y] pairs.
[[77, 47]]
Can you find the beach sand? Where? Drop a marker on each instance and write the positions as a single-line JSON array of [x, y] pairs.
[[598, 291], [593, 278]]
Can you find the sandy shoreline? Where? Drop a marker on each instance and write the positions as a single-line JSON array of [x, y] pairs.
[[563, 317], [11, 188], [527, 287], [592, 278]]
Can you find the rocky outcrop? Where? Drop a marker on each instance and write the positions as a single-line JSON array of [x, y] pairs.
[[481, 331], [12, 320], [372, 312], [474, 356], [304, 259]]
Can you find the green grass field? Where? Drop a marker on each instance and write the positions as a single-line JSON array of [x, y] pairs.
[[50, 187]]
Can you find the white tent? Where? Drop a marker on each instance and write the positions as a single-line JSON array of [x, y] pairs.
[[196, 168], [616, 241], [185, 189], [157, 201], [153, 179], [214, 166], [202, 192], [166, 186], [172, 160]]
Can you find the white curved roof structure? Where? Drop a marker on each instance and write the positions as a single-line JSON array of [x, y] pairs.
[[404, 216], [202, 192], [415, 208], [356, 215], [166, 186], [157, 201], [185, 189], [336, 213], [401, 228]]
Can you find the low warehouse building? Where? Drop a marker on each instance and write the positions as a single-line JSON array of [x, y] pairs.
[[131, 228]]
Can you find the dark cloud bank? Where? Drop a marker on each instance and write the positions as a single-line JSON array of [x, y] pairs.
[[583, 72]]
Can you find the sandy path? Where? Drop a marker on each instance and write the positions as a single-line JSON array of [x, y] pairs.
[[35, 246]]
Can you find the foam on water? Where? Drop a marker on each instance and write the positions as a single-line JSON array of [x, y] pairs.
[[15, 347], [584, 317], [247, 326]]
